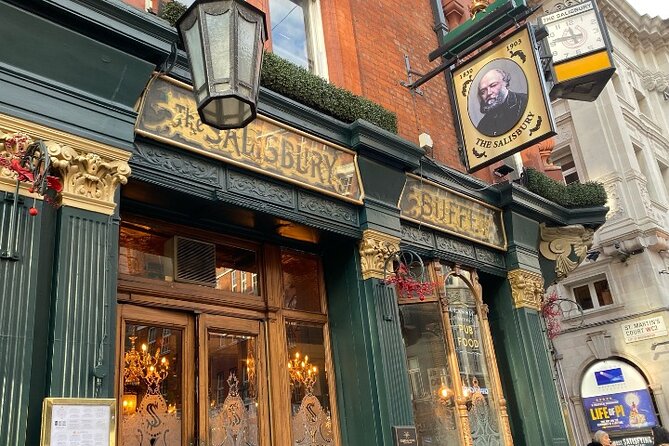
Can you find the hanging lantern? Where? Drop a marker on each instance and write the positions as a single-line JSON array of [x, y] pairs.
[[224, 41]]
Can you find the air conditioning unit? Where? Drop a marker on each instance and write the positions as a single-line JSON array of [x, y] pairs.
[[194, 260]]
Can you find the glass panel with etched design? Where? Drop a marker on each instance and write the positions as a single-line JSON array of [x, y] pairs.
[[477, 385], [311, 422], [233, 389], [152, 401], [432, 392]]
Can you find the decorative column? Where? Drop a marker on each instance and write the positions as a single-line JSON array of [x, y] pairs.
[[536, 410], [375, 248], [63, 269]]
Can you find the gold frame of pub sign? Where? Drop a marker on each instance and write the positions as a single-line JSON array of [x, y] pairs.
[[500, 100]]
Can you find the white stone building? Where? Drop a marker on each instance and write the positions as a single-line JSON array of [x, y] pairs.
[[622, 141]]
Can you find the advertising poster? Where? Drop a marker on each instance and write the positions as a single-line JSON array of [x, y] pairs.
[[620, 411], [501, 102]]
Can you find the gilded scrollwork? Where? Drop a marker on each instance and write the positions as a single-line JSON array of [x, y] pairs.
[[527, 288], [558, 243], [88, 171], [375, 248], [87, 175]]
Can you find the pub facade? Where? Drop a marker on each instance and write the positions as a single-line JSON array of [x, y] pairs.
[[243, 286]]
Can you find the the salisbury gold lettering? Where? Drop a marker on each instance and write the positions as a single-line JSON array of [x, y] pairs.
[[169, 113]]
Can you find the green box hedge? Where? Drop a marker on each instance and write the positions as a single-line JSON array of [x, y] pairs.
[[296, 83], [574, 195]]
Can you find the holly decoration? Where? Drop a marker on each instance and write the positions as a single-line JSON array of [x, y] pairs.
[[407, 285], [550, 310], [31, 164]]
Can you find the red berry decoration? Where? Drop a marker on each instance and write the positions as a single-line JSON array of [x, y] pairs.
[[32, 211]]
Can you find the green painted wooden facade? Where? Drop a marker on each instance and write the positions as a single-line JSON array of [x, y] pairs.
[[58, 298]]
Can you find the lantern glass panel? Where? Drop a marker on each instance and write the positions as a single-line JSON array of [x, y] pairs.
[[247, 43], [218, 31], [226, 111], [193, 43]]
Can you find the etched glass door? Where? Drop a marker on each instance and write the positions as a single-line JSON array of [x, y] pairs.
[[229, 369], [186, 387]]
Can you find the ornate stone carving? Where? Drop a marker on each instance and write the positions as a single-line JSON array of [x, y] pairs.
[[261, 189], [182, 165], [657, 81], [558, 243], [89, 171], [455, 247], [616, 211], [375, 248], [490, 257], [527, 288], [329, 209], [417, 235]]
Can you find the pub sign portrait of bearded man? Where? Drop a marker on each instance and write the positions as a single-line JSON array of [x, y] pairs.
[[499, 106], [501, 102]]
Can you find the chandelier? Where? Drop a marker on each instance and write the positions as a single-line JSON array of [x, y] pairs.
[[141, 366], [302, 373]]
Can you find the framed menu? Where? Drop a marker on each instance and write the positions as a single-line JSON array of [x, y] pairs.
[[78, 422]]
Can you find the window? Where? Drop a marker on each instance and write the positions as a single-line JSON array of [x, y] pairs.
[[644, 107], [233, 280], [254, 281], [664, 173], [244, 282], [568, 166], [297, 34], [593, 295]]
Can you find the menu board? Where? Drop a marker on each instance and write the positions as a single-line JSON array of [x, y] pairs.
[[78, 422]]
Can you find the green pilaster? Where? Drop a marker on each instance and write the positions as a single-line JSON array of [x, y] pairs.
[[372, 388], [25, 282], [520, 342], [84, 305]]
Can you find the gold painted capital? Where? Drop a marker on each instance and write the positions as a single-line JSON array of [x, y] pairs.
[[558, 243], [89, 171], [527, 288], [375, 248]]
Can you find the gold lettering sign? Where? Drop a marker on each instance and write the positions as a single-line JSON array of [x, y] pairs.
[[501, 101], [433, 205], [168, 113]]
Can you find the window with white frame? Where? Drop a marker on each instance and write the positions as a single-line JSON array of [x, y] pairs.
[[565, 161], [233, 280], [297, 33], [593, 295], [244, 281]]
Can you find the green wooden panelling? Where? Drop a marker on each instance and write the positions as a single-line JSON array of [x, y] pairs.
[[40, 47], [57, 77], [525, 369], [24, 313], [84, 305], [372, 379], [393, 355]]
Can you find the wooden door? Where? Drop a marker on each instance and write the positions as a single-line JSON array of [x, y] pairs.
[[191, 379]]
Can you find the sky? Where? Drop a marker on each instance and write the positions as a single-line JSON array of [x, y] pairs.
[[652, 7]]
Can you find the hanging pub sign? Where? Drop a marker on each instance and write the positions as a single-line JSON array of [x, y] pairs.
[[500, 101], [579, 45]]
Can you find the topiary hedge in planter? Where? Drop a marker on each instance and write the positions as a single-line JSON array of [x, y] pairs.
[[296, 83], [574, 195]]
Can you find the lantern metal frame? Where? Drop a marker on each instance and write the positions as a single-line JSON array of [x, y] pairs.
[[214, 88]]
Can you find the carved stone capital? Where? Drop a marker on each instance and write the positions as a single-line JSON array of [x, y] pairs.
[[89, 171], [375, 248], [527, 288], [558, 244]]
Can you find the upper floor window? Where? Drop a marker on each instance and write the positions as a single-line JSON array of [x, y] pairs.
[[593, 295], [297, 34], [568, 166]]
